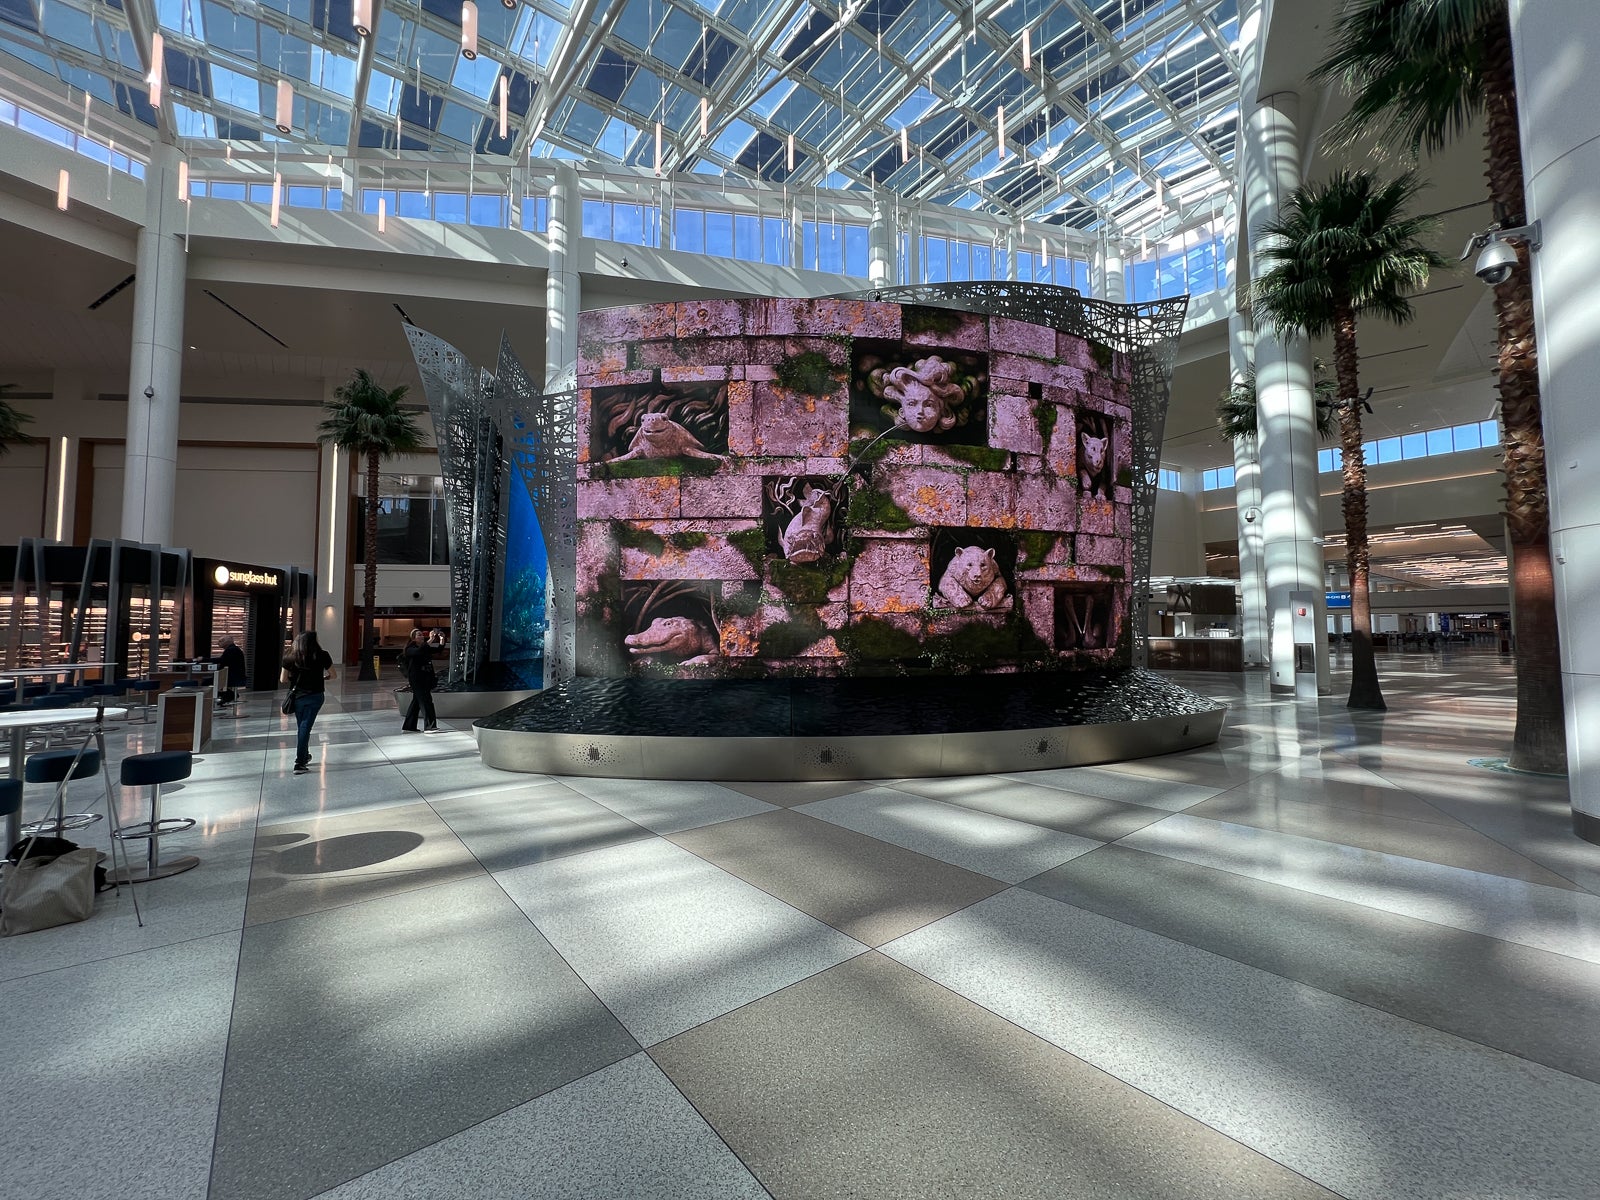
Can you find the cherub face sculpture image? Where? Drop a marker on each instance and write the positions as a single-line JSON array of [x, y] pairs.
[[925, 393]]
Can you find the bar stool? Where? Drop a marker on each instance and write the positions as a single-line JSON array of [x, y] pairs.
[[10, 800], [143, 688], [58, 767], [152, 770]]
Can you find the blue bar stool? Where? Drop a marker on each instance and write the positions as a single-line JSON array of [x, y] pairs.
[[10, 800], [151, 771], [57, 767], [142, 694]]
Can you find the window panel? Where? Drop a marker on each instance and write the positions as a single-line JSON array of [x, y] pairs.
[[1489, 431], [719, 234], [689, 230], [1389, 450], [596, 219], [450, 207], [1439, 441], [488, 210], [1467, 437]]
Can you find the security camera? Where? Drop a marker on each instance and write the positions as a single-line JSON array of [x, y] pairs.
[[1495, 264], [416, 595], [149, 392], [1250, 516]]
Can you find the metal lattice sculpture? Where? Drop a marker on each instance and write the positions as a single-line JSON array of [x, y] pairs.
[[1147, 333], [539, 430], [470, 463]]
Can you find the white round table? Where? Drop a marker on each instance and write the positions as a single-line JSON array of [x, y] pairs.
[[17, 725]]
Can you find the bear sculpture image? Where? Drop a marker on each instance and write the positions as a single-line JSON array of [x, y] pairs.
[[973, 578]]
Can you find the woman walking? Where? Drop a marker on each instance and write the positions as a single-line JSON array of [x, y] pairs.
[[305, 670]]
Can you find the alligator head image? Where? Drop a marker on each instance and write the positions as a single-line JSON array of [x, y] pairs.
[[677, 639]]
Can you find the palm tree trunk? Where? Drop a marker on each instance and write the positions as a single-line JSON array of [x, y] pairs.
[[1540, 741], [1365, 691], [369, 585]]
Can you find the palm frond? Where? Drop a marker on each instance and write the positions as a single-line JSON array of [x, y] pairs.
[[1236, 407], [366, 418], [11, 422]]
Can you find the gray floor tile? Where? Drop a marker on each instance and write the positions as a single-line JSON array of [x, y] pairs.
[[1328, 790], [307, 866], [667, 805], [1166, 795], [1087, 816], [518, 826], [993, 846], [859, 885], [1527, 1002], [366, 1032], [1371, 1106], [789, 794], [1561, 920], [867, 1080], [666, 939], [624, 1131], [1453, 846], [111, 1074]]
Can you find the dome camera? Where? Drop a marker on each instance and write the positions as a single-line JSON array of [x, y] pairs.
[[1494, 265]]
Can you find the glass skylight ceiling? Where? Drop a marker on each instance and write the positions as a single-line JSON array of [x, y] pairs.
[[1127, 117]]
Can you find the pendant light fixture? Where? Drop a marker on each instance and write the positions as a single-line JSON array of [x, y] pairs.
[[905, 144], [705, 116], [469, 30], [157, 53], [383, 214], [790, 159], [183, 181], [1027, 50], [277, 196], [505, 103], [1000, 130], [658, 149], [61, 190], [285, 117], [361, 17], [508, 3]]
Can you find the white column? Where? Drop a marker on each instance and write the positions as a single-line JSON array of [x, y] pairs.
[[1113, 284], [562, 300], [1286, 413], [331, 601], [155, 377], [1552, 41], [880, 242], [1247, 496]]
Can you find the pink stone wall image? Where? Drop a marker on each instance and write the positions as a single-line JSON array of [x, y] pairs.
[[827, 487]]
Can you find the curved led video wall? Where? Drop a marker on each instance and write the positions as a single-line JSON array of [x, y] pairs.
[[850, 487]]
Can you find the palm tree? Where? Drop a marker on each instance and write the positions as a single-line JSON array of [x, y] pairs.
[[11, 422], [367, 420], [1342, 250], [1420, 72], [1236, 407]]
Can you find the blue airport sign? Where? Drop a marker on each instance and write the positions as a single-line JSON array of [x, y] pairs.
[[1338, 599]]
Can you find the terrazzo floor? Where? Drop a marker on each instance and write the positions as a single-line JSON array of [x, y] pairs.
[[1325, 957]]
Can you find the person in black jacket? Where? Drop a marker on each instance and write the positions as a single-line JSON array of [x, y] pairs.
[[233, 658], [306, 670], [420, 675]]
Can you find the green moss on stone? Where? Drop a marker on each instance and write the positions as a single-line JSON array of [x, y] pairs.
[[872, 509], [691, 540], [1045, 415], [752, 544], [1034, 547], [807, 583], [918, 319], [1125, 477], [874, 640], [985, 458], [809, 374], [642, 468], [632, 537], [1102, 353], [980, 644], [792, 638]]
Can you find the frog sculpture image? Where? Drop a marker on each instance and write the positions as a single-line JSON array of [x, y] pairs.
[[660, 436]]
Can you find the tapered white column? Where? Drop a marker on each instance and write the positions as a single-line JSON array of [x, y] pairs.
[[333, 568], [1247, 495], [1553, 40], [562, 300], [150, 473], [1285, 414], [880, 245], [1113, 286]]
